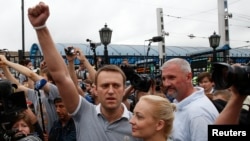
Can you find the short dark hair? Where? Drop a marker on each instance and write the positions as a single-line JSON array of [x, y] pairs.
[[203, 75], [110, 68], [57, 100]]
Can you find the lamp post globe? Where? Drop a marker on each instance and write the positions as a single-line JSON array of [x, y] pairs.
[[105, 36], [214, 41]]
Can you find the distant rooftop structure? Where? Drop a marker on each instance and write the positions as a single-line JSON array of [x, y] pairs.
[[141, 50], [136, 53], [138, 50]]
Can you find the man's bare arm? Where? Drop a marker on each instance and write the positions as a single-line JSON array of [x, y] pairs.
[[38, 16]]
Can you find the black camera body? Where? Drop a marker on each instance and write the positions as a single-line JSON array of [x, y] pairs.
[[69, 51], [140, 82], [225, 76]]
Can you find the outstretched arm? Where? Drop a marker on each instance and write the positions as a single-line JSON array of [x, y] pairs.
[[71, 68], [13, 80], [38, 16], [24, 70], [89, 67]]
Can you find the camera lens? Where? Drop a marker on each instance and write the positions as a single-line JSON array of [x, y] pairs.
[[222, 75]]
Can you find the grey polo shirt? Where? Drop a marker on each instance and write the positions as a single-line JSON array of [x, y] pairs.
[[91, 125]]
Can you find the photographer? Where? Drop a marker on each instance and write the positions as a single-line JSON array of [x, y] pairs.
[[26, 127], [48, 92]]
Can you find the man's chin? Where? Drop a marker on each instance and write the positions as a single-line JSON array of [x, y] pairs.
[[172, 94]]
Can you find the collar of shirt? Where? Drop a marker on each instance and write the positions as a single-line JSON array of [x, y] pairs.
[[195, 95], [125, 112]]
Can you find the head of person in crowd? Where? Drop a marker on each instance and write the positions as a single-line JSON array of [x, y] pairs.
[[61, 110], [94, 94], [22, 125], [81, 67], [86, 86], [88, 83], [27, 63], [110, 86], [22, 78], [177, 78], [82, 72], [99, 62], [125, 62], [153, 118], [205, 81]]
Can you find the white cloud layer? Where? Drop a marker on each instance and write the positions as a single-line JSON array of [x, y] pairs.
[[132, 21]]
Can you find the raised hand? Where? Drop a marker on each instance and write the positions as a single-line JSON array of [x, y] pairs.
[[38, 15]]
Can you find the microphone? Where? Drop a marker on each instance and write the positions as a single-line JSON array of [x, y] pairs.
[[88, 40], [156, 39], [39, 84], [93, 44]]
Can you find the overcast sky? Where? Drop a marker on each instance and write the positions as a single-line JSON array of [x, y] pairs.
[[132, 21]]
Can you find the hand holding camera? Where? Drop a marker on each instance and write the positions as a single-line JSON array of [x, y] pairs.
[[69, 51], [225, 76]]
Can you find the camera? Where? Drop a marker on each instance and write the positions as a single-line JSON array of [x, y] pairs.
[[141, 82], [225, 76], [82, 85], [11, 104], [70, 51]]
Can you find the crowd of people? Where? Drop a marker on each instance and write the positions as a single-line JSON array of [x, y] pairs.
[[102, 104]]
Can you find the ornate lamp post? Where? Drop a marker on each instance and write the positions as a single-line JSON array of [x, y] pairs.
[[214, 41], [105, 35]]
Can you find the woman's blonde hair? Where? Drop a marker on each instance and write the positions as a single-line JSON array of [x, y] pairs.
[[162, 110]]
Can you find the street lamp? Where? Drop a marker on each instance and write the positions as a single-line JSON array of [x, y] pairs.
[[214, 41], [105, 35]]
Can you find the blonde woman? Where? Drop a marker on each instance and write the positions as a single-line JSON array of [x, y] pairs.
[[153, 118]]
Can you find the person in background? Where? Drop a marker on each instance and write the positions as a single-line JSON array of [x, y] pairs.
[[63, 129], [24, 127], [82, 72], [24, 79], [220, 99], [194, 111], [94, 94], [99, 62], [153, 118], [205, 81]]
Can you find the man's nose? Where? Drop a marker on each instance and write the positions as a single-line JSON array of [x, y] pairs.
[[111, 89]]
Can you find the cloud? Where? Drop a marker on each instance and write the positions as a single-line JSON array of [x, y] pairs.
[[132, 21]]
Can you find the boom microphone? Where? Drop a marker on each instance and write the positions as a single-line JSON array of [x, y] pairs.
[[88, 40], [156, 39]]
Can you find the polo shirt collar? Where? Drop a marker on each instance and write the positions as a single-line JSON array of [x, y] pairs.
[[125, 111]]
